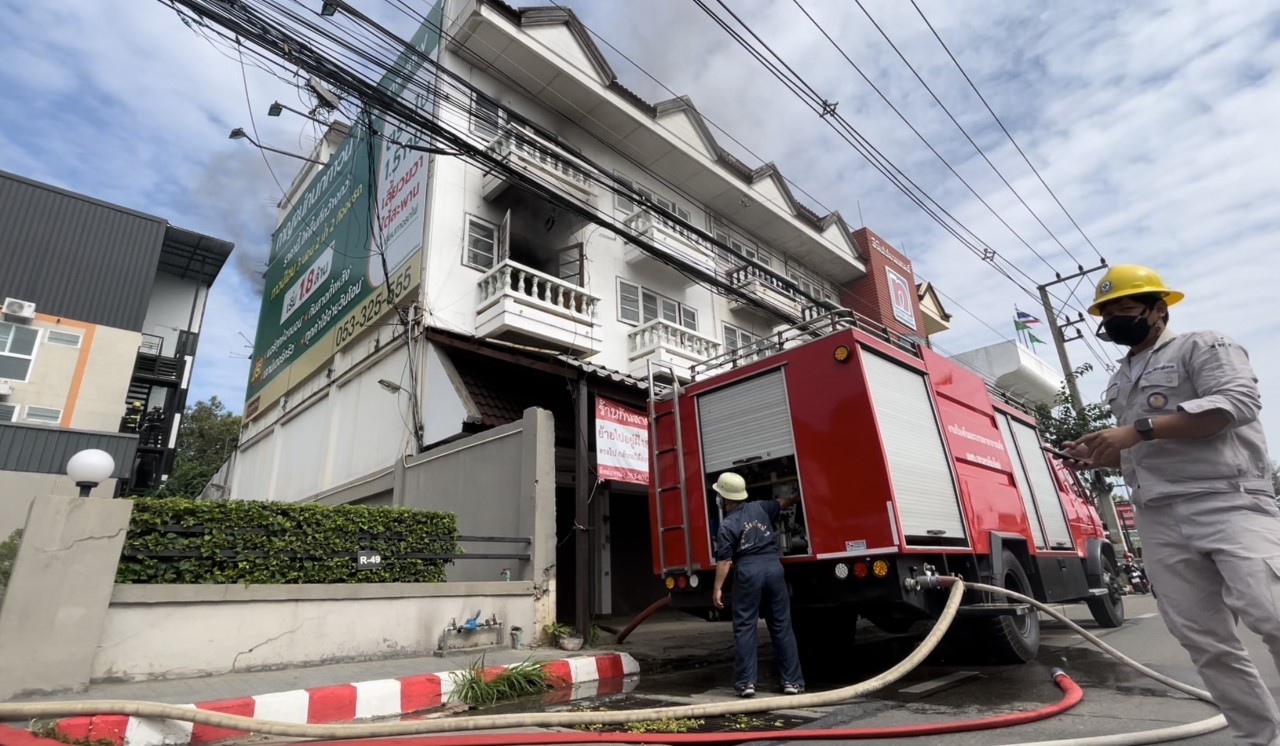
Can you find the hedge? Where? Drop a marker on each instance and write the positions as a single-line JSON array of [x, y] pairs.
[[177, 540]]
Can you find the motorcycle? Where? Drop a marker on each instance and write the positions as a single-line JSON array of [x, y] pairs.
[[1136, 576]]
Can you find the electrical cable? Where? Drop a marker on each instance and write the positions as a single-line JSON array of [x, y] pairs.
[[253, 123], [955, 587], [1006, 131]]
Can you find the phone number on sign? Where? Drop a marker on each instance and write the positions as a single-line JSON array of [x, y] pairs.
[[372, 309]]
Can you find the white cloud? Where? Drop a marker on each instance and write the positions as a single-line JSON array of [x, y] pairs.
[[1154, 123]]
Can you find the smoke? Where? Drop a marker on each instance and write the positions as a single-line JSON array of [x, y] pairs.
[[237, 197]]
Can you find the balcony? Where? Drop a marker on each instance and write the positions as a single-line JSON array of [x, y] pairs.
[[665, 343], [679, 243], [523, 305], [764, 287], [519, 149]]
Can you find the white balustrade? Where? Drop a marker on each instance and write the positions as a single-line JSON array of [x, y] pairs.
[[660, 332], [524, 143], [533, 287]]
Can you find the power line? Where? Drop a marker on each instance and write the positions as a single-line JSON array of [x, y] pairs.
[[929, 145], [1006, 131], [245, 79]]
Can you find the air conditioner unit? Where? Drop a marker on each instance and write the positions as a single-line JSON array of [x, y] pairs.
[[6, 387], [19, 309]]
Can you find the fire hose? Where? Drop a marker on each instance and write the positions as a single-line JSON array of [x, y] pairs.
[[25, 711]]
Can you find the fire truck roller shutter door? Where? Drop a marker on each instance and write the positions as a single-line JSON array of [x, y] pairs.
[[1020, 480], [1043, 486], [923, 487], [745, 420]]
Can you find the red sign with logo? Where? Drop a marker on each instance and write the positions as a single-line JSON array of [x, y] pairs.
[[622, 443]]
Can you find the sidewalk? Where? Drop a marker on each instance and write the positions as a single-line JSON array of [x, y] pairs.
[[326, 694]]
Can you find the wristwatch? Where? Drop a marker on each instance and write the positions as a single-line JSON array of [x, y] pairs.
[[1146, 428]]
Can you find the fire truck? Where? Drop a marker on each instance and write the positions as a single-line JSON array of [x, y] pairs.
[[904, 464]]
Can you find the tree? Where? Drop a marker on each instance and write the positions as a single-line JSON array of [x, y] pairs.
[[207, 436], [1060, 423]]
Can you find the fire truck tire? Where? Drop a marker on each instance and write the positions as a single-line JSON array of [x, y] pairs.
[[1108, 610], [1012, 639]]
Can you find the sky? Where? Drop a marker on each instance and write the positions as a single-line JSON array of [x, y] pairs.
[[1154, 123]]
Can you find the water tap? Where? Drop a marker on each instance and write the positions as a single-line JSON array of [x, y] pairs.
[[506, 574]]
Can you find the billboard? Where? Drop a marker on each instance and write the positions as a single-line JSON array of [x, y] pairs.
[[622, 443], [901, 295], [350, 249]]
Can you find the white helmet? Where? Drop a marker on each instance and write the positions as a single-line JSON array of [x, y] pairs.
[[730, 486]]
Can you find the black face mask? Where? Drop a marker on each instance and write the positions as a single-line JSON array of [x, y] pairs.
[[1127, 331]]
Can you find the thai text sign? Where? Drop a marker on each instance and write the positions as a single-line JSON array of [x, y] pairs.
[[622, 443]]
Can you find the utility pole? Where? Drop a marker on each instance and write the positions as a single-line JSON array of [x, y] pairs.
[[1106, 503]]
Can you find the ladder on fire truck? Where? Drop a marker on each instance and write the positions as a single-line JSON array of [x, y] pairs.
[[664, 488]]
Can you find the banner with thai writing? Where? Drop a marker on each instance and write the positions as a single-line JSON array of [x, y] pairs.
[[622, 443]]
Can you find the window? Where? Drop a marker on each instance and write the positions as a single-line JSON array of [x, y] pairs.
[[17, 350], [482, 244], [8, 412], [740, 244], [627, 206], [65, 339], [43, 415], [637, 305], [486, 117], [735, 338]]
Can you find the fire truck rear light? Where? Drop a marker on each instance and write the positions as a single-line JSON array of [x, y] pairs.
[[682, 581], [880, 568], [860, 570], [842, 570], [693, 581], [670, 582], [842, 354]]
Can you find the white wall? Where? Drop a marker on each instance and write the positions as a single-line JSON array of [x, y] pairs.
[[170, 309], [215, 629], [367, 430]]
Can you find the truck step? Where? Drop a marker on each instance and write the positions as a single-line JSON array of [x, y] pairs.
[[994, 610]]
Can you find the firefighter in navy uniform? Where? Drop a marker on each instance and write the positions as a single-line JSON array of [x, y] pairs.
[[1195, 458], [747, 544]]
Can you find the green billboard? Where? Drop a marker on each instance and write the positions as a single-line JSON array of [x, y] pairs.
[[350, 248]]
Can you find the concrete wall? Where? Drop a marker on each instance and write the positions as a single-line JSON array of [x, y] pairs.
[[87, 384], [175, 304], [55, 606], [499, 483], [219, 629], [19, 489]]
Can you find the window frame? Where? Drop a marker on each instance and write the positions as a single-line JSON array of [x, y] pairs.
[[31, 359], [739, 333], [49, 338], [466, 243], [669, 204], [13, 408], [480, 125], [56, 417], [660, 303]]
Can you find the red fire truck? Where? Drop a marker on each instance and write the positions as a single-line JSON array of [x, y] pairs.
[[905, 464]]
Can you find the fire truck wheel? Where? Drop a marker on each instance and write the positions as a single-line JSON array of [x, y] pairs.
[[1013, 639], [1108, 610]]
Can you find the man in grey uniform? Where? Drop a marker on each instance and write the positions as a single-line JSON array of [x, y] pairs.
[[1194, 456]]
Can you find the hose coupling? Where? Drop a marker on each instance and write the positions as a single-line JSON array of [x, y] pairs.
[[1055, 673]]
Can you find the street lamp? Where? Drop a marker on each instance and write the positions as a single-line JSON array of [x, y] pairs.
[[277, 108], [239, 134], [89, 468]]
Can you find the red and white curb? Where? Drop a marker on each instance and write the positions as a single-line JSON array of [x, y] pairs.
[[570, 678]]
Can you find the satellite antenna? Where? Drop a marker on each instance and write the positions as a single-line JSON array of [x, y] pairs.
[[327, 99]]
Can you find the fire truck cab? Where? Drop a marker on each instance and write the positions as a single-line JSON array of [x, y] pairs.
[[905, 464]]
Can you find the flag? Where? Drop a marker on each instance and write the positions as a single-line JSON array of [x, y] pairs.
[[1027, 318], [1034, 339]]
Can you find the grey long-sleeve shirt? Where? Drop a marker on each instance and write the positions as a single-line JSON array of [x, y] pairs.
[[1192, 372]]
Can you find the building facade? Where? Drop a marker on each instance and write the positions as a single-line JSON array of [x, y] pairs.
[[102, 313], [495, 289]]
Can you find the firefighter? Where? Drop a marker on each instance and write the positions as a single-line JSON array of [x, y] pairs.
[[746, 543], [1194, 455]]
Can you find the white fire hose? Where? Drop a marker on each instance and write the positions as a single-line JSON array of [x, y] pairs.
[[40, 710]]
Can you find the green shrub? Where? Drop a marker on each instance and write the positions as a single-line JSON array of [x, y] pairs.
[[175, 540], [472, 687], [8, 555]]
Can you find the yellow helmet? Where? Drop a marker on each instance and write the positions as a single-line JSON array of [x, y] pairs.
[[1124, 280]]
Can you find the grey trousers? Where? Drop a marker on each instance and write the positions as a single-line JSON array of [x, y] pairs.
[[1212, 559]]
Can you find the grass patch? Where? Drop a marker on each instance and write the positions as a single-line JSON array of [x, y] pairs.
[[477, 689], [47, 729], [665, 725]]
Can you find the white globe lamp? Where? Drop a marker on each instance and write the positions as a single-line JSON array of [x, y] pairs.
[[89, 468]]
